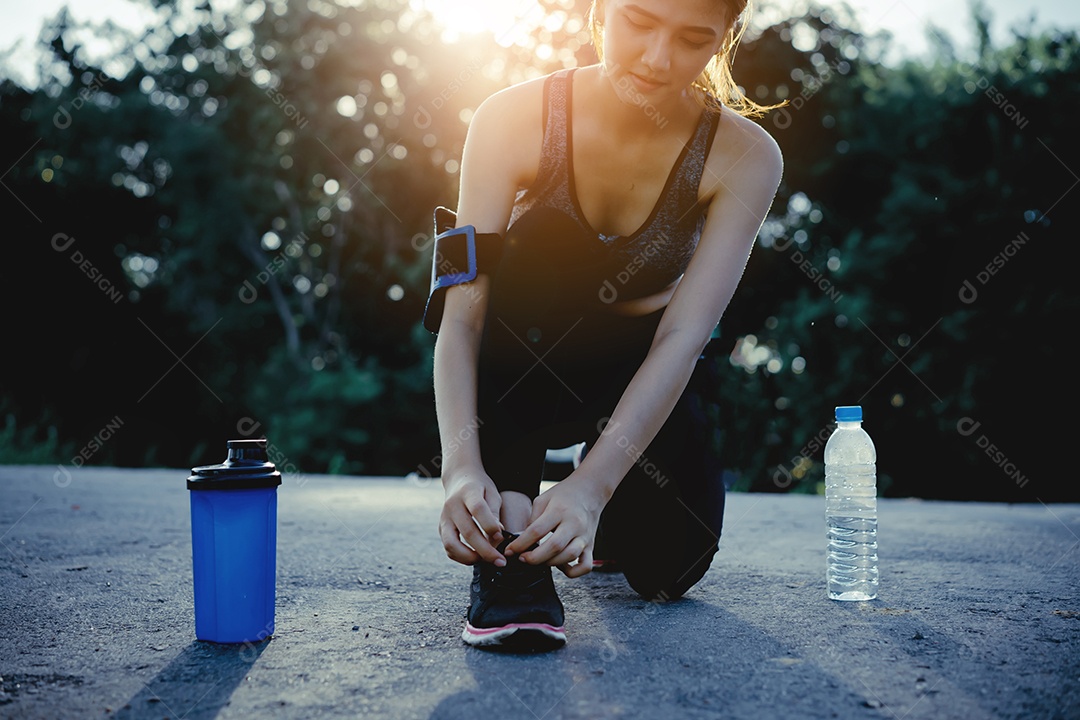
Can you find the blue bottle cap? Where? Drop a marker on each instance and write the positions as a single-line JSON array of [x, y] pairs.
[[849, 413]]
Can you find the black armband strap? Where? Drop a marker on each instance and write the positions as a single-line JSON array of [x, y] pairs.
[[460, 254]]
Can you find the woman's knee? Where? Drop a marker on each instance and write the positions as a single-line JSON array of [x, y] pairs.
[[664, 579], [665, 530]]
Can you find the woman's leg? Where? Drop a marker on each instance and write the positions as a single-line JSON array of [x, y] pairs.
[[531, 343], [515, 607], [663, 524], [550, 373], [511, 417]]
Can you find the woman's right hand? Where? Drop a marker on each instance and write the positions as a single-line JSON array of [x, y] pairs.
[[469, 525]]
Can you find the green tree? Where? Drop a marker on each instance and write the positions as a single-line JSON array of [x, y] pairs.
[[235, 216], [909, 190], [259, 191]]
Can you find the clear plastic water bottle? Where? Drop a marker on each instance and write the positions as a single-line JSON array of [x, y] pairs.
[[851, 508]]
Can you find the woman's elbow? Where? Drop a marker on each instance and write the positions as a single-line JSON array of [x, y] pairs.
[[466, 305]]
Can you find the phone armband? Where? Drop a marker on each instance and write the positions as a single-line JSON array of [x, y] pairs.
[[460, 255]]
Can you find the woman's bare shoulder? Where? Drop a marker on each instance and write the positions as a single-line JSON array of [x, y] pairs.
[[742, 147], [517, 105], [507, 129]]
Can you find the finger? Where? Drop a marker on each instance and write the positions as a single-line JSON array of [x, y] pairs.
[[455, 549], [550, 548], [570, 553], [534, 533], [471, 533], [481, 545], [536, 529], [582, 567], [481, 510]]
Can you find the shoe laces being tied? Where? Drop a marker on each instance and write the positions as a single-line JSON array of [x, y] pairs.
[[515, 574]]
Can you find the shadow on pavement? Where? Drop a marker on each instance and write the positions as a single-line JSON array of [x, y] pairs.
[[198, 683], [637, 659], [631, 658], [508, 685]]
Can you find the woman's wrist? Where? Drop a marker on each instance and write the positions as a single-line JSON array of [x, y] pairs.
[[450, 473], [597, 489]]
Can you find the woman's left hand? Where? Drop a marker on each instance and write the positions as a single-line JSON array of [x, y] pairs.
[[570, 511]]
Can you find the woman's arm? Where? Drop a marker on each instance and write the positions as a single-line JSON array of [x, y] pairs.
[[744, 177], [495, 163]]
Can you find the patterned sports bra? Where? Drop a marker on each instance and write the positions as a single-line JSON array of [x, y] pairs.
[[659, 251]]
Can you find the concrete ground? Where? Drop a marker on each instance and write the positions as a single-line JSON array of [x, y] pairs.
[[978, 615]]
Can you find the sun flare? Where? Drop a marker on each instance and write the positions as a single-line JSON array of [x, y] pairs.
[[507, 21]]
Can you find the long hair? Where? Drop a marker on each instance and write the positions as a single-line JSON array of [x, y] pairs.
[[715, 87]]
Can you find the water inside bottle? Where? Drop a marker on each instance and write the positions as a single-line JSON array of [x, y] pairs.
[[852, 571], [851, 512]]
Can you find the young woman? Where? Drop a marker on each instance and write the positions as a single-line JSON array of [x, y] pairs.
[[605, 217]]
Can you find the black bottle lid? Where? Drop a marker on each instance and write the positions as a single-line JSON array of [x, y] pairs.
[[246, 467]]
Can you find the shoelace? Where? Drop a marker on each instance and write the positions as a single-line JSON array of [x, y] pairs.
[[515, 574]]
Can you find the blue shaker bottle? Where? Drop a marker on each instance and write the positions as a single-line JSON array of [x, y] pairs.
[[234, 544]]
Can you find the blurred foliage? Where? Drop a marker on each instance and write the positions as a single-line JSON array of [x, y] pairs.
[[235, 213], [21, 446], [902, 185]]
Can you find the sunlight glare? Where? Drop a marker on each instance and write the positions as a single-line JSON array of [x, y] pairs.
[[508, 21]]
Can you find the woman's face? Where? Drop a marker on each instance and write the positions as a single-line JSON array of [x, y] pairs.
[[654, 49]]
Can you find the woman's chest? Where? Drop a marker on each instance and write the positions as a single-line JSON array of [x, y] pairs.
[[619, 184]]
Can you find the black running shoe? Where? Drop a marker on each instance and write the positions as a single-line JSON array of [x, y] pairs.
[[514, 608]]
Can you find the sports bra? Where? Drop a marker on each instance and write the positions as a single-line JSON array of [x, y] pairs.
[[651, 258]]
